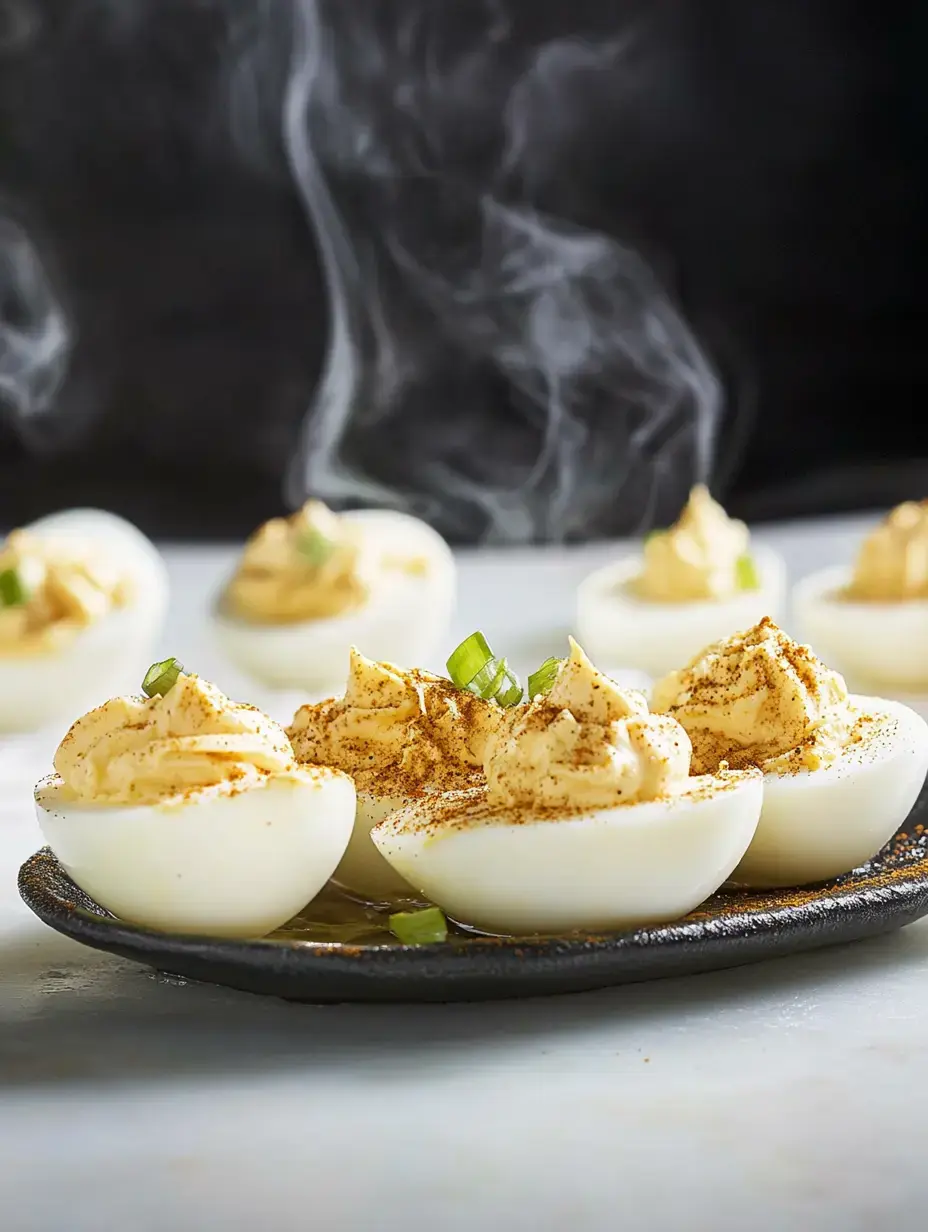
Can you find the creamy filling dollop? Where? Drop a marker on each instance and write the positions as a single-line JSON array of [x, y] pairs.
[[892, 563], [704, 555], [53, 590], [304, 567], [136, 750], [397, 731], [586, 745], [759, 699]]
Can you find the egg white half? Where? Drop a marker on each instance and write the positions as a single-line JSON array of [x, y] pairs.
[[871, 644], [818, 824], [616, 626], [216, 864], [107, 658], [404, 619], [362, 870], [617, 868]]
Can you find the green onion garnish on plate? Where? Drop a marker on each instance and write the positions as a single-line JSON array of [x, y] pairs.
[[423, 927], [746, 575], [315, 547], [161, 677], [540, 682], [13, 592], [474, 667]]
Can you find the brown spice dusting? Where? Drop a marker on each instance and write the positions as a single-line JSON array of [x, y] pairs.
[[587, 745], [474, 807], [397, 732], [758, 699], [134, 750]]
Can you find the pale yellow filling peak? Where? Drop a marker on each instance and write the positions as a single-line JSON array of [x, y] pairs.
[[892, 564], [697, 558], [587, 744], [305, 567], [396, 731], [67, 587], [758, 699], [136, 750]]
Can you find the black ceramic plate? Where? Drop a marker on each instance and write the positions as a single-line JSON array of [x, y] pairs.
[[300, 963]]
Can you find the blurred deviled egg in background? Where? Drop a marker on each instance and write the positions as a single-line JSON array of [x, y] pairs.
[[871, 619], [841, 771], [309, 587], [184, 811], [588, 817], [399, 733], [697, 581], [83, 595]]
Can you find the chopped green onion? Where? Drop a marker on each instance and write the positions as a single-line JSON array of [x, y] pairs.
[[468, 659], [540, 682], [13, 592], [315, 547], [495, 682], [506, 689], [474, 667], [419, 927], [746, 575], [161, 677], [487, 680]]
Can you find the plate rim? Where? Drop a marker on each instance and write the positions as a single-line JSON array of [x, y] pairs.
[[905, 896]]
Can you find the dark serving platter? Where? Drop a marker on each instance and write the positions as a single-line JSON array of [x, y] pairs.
[[302, 962]]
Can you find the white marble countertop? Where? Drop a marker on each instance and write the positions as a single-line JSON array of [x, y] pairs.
[[777, 1097]]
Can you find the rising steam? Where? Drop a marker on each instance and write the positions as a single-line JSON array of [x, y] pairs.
[[34, 334], [601, 392], [496, 361]]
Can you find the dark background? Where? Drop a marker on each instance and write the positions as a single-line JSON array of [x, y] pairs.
[[766, 158]]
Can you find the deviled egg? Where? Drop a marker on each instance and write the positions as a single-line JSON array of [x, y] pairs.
[[311, 586], [186, 812], [841, 772], [697, 581], [588, 819], [871, 619], [82, 598], [399, 733]]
